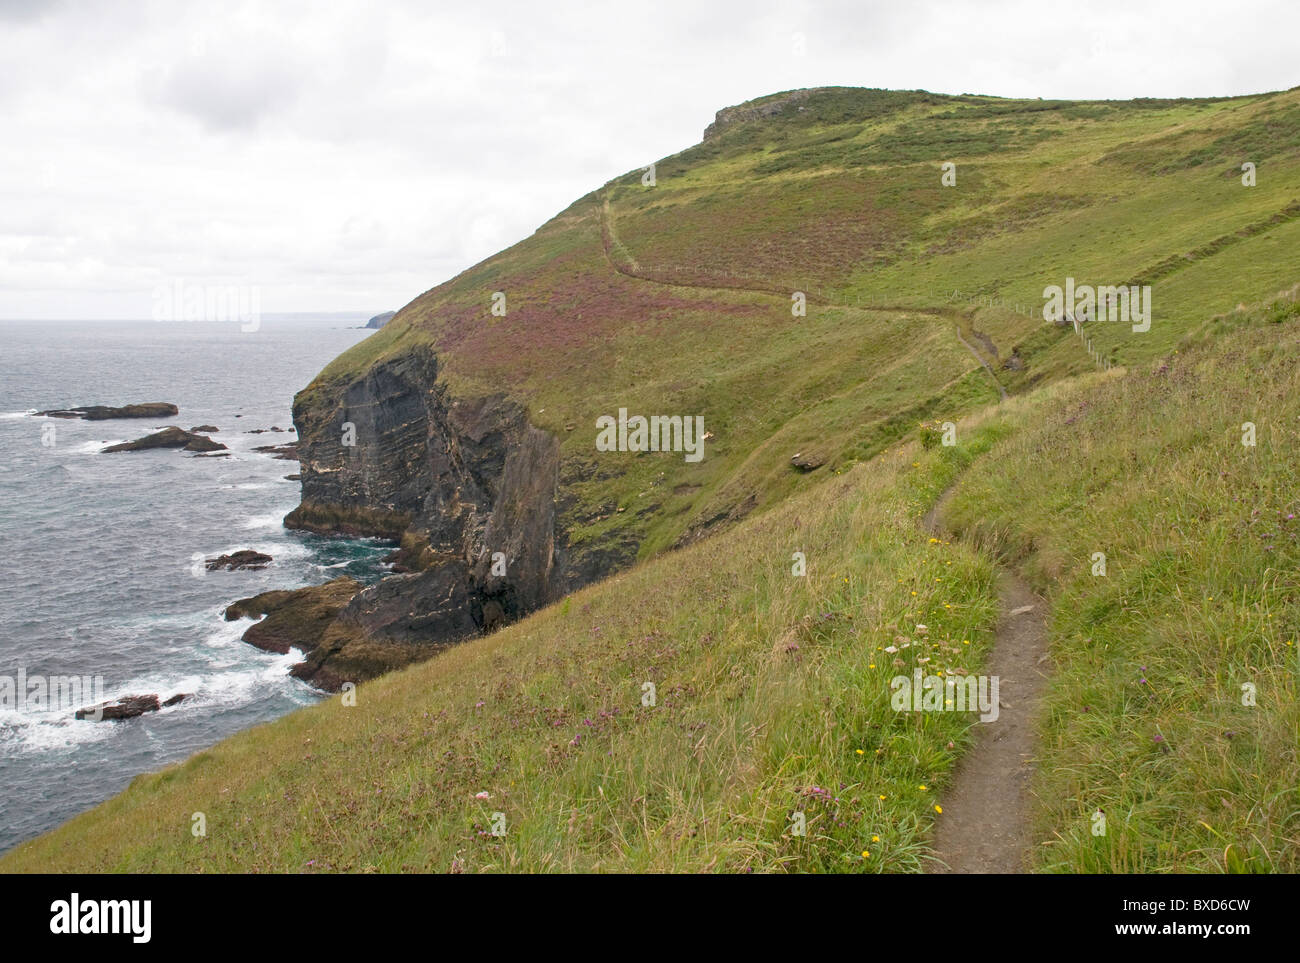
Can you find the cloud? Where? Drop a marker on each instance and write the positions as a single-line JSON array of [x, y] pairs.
[[356, 153], [27, 11], [225, 94]]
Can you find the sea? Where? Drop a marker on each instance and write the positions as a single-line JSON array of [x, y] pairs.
[[98, 552]]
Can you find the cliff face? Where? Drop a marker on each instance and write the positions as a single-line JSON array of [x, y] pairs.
[[467, 485]]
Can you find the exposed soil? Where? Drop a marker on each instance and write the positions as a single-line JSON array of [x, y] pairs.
[[984, 827]]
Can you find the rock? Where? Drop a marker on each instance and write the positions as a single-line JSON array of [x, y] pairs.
[[294, 618], [807, 461], [379, 320], [128, 707], [776, 104], [148, 409], [294, 477], [403, 619], [202, 443], [287, 452], [247, 558], [262, 431], [455, 478], [205, 428], [169, 438]]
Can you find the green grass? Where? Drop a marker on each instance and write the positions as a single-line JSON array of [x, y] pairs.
[[842, 199], [771, 686], [1145, 717]]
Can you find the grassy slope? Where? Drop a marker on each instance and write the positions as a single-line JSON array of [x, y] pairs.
[[746, 724], [1145, 713], [842, 199], [771, 686]]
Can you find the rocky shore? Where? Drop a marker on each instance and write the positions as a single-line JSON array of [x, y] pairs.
[[148, 409], [169, 438]]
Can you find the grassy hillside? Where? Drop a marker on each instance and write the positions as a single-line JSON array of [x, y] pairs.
[[676, 298], [771, 697], [1146, 718], [771, 690]]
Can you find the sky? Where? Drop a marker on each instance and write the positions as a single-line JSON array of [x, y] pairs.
[[341, 156]]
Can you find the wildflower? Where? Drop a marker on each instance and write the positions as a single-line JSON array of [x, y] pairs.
[[882, 798], [938, 809], [875, 839], [482, 795], [859, 752], [865, 854], [922, 788]]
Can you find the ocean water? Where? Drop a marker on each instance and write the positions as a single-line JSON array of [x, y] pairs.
[[97, 573]]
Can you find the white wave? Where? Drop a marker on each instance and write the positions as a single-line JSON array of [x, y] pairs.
[[26, 730], [92, 447], [265, 521], [278, 550], [18, 414]]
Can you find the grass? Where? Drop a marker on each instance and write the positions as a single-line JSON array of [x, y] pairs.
[[1146, 717], [771, 698], [772, 689], [839, 195]]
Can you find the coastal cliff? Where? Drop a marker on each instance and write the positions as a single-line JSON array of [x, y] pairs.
[[466, 486]]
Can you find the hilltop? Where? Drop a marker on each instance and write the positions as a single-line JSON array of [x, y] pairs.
[[671, 291]]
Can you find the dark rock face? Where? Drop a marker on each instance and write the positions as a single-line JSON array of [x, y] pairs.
[[148, 409], [169, 438], [294, 618], [467, 485], [128, 707], [247, 558], [379, 320], [208, 429]]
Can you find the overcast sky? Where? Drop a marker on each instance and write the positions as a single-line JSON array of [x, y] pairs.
[[348, 156]]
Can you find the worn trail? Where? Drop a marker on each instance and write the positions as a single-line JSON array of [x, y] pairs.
[[984, 827]]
